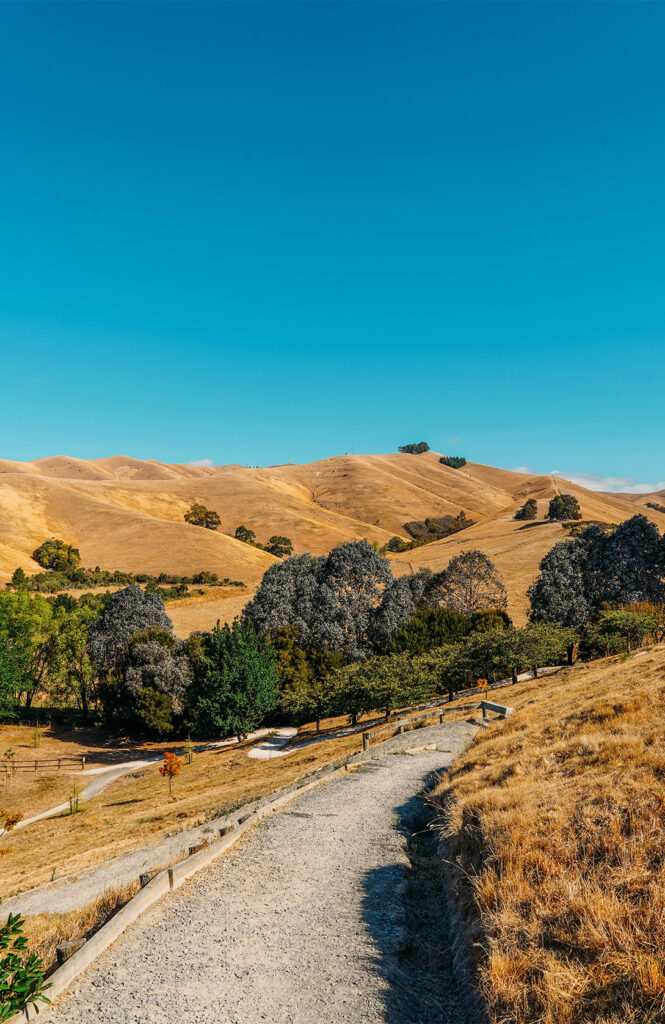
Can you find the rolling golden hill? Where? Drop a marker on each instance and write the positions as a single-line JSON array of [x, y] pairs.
[[125, 513]]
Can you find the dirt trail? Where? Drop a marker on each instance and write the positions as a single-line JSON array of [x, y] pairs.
[[307, 921]]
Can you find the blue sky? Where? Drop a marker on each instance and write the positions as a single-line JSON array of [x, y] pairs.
[[269, 232]]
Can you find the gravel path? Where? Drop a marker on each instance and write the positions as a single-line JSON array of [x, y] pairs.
[[306, 921]]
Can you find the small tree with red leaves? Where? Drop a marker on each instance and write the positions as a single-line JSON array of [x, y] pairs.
[[170, 768]]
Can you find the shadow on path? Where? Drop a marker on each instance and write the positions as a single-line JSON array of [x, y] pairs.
[[404, 908]]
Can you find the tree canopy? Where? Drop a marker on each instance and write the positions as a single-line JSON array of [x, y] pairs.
[[563, 507], [199, 515], [128, 612], [414, 449], [453, 461], [55, 554]]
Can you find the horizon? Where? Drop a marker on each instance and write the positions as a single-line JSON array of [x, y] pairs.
[[590, 481], [275, 229]]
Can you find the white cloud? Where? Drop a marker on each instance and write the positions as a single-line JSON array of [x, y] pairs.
[[451, 440], [201, 462], [596, 482]]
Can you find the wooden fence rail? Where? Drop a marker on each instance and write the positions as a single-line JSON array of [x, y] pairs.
[[42, 764]]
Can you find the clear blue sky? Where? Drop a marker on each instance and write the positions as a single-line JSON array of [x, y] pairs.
[[268, 232]]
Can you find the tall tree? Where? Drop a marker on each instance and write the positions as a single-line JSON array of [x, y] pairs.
[[128, 612], [199, 515], [235, 681], [563, 507], [330, 599], [470, 583]]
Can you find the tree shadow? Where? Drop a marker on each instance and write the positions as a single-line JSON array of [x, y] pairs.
[[405, 911]]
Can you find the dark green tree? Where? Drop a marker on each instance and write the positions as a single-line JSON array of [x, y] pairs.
[[564, 507], [280, 547], [529, 510], [453, 461], [199, 515], [429, 628], [245, 535], [55, 554], [414, 449], [235, 681]]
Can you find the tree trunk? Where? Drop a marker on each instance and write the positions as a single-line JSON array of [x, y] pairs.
[[354, 718], [535, 671], [514, 675], [318, 725]]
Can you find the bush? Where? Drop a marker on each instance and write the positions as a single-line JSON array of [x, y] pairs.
[[453, 461], [21, 975], [436, 528], [429, 628], [154, 711], [529, 510], [280, 547], [55, 554], [563, 507], [414, 449]]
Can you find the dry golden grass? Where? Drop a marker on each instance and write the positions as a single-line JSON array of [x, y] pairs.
[[127, 514], [46, 931], [556, 820], [136, 810]]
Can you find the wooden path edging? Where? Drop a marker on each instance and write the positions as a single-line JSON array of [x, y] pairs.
[[166, 881]]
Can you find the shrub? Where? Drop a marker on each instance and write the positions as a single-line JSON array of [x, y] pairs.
[[414, 449], [564, 506], [427, 629], [529, 510], [21, 975], [154, 710], [280, 547], [453, 461], [436, 528]]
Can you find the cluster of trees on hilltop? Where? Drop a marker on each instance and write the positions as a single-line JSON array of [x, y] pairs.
[[453, 461], [277, 545]]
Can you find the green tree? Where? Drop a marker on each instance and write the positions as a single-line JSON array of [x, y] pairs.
[[245, 535], [28, 630], [279, 546], [453, 461], [616, 631], [199, 515], [55, 554], [529, 510], [19, 579], [70, 662], [235, 681], [414, 449], [154, 711], [564, 507], [429, 628]]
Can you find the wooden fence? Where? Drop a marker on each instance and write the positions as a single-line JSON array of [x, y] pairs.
[[9, 766]]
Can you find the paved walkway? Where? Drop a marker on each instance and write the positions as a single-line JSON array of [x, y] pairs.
[[306, 921]]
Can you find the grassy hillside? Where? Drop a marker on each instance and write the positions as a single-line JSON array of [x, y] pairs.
[[556, 821], [127, 514]]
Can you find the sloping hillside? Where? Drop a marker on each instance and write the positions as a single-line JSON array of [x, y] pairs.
[[125, 513]]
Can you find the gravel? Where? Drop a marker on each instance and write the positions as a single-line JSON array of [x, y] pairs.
[[306, 921]]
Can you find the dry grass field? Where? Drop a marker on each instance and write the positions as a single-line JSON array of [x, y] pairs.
[[126, 514], [136, 810], [556, 819]]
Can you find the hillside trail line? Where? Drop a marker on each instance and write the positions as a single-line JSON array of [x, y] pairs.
[[307, 920]]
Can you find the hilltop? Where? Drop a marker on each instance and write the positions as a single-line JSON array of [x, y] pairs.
[[124, 513]]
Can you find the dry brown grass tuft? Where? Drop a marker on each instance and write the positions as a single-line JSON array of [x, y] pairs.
[[46, 931], [556, 822]]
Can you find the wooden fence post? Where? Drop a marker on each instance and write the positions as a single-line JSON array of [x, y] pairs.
[[441, 717], [365, 741]]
